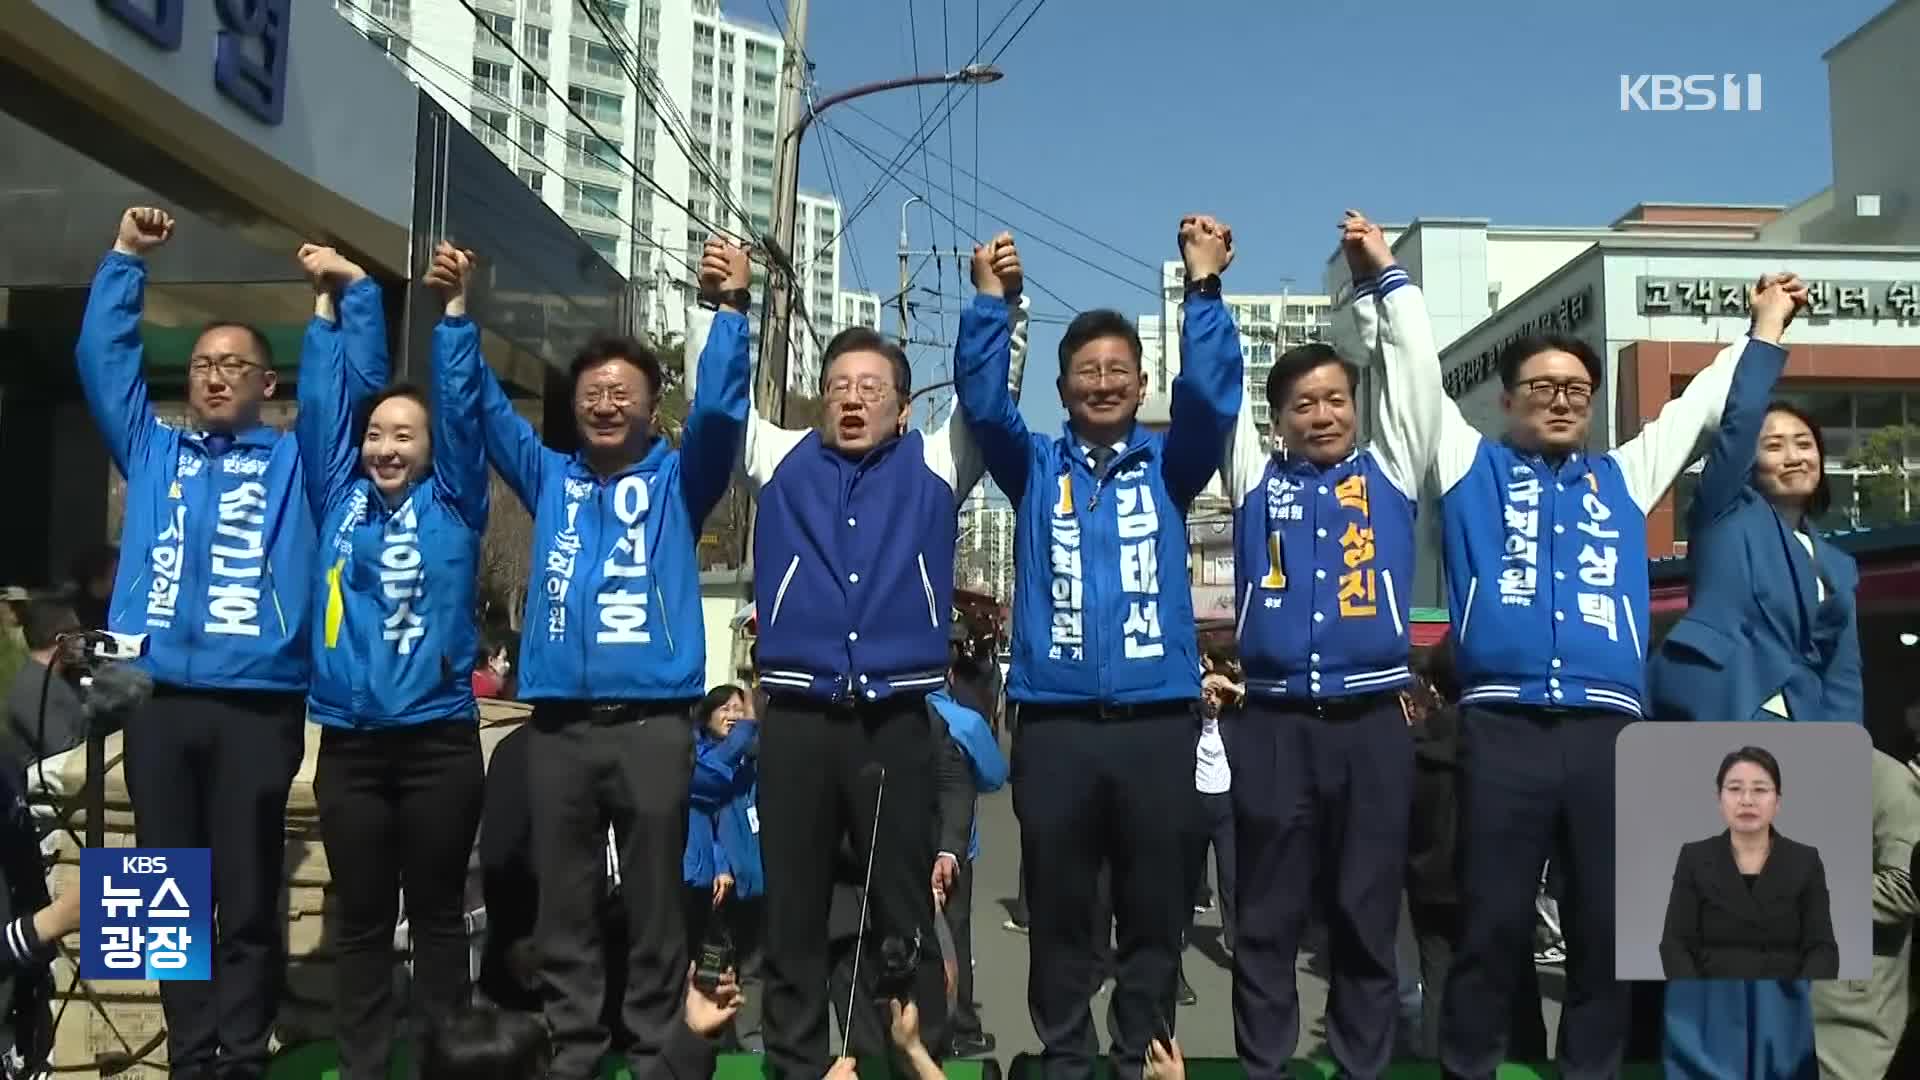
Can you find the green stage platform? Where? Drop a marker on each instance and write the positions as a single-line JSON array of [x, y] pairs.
[[318, 1061]]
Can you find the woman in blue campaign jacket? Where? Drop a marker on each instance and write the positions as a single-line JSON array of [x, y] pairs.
[[399, 776], [721, 868], [1769, 634]]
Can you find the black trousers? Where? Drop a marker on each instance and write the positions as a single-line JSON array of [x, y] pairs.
[[959, 915], [1321, 802], [1436, 927], [1535, 782], [1117, 790], [583, 776], [212, 769], [398, 809], [820, 773], [1215, 830]]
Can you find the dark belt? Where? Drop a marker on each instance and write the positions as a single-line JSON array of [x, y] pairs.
[[607, 713], [1103, 712], [1348, 707]]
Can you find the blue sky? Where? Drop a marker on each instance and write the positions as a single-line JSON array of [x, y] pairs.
[[1118, 116]]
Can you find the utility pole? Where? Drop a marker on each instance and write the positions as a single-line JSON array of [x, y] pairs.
[[776, 318]]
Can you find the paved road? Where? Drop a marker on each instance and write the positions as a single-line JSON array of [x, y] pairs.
[[1205, 1029]]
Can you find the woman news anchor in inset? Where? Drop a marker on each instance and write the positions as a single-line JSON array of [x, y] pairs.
[[398, 484], [1749, 903], [1769, 635]]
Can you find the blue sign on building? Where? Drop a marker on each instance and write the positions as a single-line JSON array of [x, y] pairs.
[[146, 913], [250, 53]]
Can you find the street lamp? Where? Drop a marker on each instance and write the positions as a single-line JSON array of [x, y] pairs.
[[772, 388]]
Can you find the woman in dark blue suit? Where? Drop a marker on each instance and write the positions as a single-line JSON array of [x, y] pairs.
[[1769, 635]]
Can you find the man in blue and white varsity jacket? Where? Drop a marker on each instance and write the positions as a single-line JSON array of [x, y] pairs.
[[1546, 557], [853, 587], [1323, 760], [612, 654], [219, 541], [1106, 670]]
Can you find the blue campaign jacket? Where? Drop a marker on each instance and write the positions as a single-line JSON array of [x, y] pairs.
[[1755, 626], [613, 607], [1324, 557], [853, 560], [1102, 608], [218, 549], [1547, 565], [396, 642], [989, 766], [723, 822]]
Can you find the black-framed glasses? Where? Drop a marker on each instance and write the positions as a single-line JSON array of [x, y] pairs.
[[1545, 391]]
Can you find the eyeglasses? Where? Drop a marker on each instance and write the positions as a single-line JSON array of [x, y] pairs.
[[594, 396], [229, 366], [870, 388], [1544, 391]]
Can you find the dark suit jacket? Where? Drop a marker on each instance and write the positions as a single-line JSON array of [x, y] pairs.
[[1719, 927]]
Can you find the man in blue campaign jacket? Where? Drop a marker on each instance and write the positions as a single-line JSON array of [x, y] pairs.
[[1546, 557], [723, 818], [972, 749], [853, 555], [218, 547], [1323, 760], [1106, 671], [400, 488], [612, 653]]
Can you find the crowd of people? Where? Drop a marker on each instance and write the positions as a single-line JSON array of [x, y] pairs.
[[655, 848]]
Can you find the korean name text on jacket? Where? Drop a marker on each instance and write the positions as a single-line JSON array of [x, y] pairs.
[[613, 604], [395, 593], [1324, 556], [219, 548], [1547, 564], [1102, 608]]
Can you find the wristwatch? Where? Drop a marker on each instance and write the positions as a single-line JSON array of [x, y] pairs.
[[1208, 286], [739, 299]]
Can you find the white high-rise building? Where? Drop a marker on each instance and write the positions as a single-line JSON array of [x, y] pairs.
[[721, 74], [816, 255], [984, 553], [1269, 324], [859, 309]]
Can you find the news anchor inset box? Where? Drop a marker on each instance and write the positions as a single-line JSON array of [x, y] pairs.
[[146, 913], [1683, 907]]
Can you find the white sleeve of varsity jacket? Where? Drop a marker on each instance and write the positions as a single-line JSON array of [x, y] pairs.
[[1451, 443], [1652, 460], [1407, 386], [768, 444], [951, 452], [1245, 460]]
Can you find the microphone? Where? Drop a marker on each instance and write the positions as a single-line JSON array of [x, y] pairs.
[[115, 689]]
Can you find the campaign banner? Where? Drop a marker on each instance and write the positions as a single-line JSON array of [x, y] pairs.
[[146, 913]]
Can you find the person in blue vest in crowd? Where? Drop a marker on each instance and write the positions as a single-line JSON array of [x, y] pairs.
[[219, 544], [970, 745], [1769, 634], [1323, 759], [722, 870], [399, 486], [1106, 668], [1546, 560], [613, 654], [853, 554]]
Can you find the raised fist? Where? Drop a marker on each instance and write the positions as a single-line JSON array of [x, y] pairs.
[[143, 228], [327, 268], [1774, 301], [724, 268], [449, 273], [996, 267], [1206, 245], [1365, 245]]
